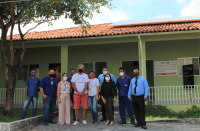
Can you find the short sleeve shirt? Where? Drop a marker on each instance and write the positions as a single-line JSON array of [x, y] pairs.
[[93, 83], [80, 81], [33, 84], [49, 86]]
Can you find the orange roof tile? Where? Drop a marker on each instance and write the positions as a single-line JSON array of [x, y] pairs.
[[105, 30]]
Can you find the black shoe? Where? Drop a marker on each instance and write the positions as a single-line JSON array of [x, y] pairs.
[[103, 119], [144, 127], [137, 125], [46, 124], [133, 123], [122, 122], [52, 122]]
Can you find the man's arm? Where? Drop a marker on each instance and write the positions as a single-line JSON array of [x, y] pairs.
[[146, 88], [42, 92], [85, 88], [74, 87], [26, 92], [130, 90]]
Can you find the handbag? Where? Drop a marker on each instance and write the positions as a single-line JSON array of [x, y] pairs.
[[100, 102]]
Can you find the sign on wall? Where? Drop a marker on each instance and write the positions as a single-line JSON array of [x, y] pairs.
[[165, 68]]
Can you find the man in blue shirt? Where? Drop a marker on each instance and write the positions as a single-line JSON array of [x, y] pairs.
[[72, 72], [123, 83], [101, 79], [137, 94], [48, 89], [31, 92]]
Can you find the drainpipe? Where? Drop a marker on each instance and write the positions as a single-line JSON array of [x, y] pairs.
[[141, 55]]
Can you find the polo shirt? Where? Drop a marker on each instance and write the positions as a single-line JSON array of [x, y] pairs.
[[123, 85], [49, 86], [32, 84], [141, 89]]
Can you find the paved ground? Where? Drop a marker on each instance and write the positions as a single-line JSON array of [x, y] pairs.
[[116, 127]]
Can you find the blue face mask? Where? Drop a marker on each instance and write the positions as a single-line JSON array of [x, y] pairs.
[[32, 74], [72, 74]]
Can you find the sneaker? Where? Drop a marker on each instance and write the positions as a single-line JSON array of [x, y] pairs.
[[84, 122], [75, 123]]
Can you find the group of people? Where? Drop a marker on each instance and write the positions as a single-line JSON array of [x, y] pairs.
[[79, 88]]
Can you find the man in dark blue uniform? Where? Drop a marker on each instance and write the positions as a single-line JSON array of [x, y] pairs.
[[48, 89], [122, 84]]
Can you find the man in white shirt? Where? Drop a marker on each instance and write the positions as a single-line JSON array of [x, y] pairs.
[[80, 83]]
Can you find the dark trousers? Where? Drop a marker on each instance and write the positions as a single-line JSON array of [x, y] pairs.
[[124, 102], [103, 109], [48, 110], [139, 109], [109, 108], [72, 100]]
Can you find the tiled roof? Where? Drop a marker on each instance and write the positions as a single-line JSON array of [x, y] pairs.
[[106, 30]]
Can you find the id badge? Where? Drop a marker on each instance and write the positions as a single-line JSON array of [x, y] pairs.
[[134, 86], [51, 82]]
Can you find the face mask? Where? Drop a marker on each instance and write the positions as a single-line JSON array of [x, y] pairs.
[[65, 78], [80, 70], [105, 72], [92, 76], [51, 75], [72, 74], [121, 73], [136, 74], [32, 74], [107, 78]]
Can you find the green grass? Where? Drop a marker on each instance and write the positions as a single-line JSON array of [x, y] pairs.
[[16, 115], [151, 118]]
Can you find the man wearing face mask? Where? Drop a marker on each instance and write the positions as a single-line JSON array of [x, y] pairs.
[[31, 92], [137, 94], [101, 79], [80, 82], [72, 72], [48, 89], [123, 83]]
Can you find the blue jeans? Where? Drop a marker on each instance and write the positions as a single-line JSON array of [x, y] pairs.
[[32, 99], [124, 102], [48, 110], [93, 105]]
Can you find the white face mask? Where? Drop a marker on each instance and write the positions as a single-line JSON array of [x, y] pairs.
[[107, 78], [121, 73], [65, 78], [105, 72]]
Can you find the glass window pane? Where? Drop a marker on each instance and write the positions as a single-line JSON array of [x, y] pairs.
[[23, 73], [88, 67], [195, 62]]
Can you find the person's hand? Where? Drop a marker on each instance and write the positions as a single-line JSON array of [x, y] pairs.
[[145, 99], [26, 97], [130, 100], [44, 96], [59, 101], [114, 99], [104, 101], [82, 93], [96, 98]]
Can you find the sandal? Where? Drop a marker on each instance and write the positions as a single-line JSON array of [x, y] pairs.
[[108, 122], [111, 123], [96, 123], [92, 122]]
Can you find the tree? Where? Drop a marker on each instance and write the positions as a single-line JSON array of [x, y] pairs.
[[38, 11]]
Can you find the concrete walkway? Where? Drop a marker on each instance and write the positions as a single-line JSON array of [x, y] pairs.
[[160, 126]]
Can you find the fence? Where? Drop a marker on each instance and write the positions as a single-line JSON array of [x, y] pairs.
[[167, 95], [174, 95]]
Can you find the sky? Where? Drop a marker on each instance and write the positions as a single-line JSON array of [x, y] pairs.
[[129, 10]]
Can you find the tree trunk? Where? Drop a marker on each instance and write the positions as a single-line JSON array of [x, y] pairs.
[[8, 104]]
